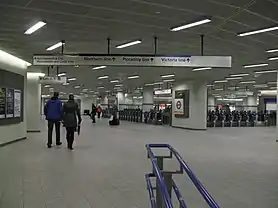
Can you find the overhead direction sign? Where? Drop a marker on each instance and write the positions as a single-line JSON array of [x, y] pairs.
[[53, 80], [132, 60]]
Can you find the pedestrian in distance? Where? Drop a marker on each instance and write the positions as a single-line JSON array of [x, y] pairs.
[[53, 114], [71, 119], [99, 110], [93, 113]]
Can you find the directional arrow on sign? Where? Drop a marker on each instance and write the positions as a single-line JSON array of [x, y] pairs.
[[188, 59], [113, 58]]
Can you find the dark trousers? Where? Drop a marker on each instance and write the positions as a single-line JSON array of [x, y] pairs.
[[70, 136], [98, 114], [51, 124], [93, 118]]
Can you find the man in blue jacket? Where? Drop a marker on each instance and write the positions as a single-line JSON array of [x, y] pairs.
[[53, 114]]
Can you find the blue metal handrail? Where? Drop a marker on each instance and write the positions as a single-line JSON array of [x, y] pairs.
[[161, 184], [164, 193]]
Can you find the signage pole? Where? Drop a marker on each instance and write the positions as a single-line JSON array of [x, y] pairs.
[[57, 70], [48, 71], [155, 45], [108, 45], [202, 44], [63, 46]]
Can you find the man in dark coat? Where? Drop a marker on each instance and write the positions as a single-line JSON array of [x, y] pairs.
[[71, 119], [53, 114], [93, 113]]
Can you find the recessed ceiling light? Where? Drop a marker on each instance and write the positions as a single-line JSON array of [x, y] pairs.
[[233, 78], [133, 77], [248, 82], [272, 50], [220, 81], [194, 24], [72, 79], [168, 80], [167, 75], [35, 27], [238, 75], [273, 58], [99, 67], [255, 65], [47, 86], [129, 44], [103, 77], [265, 72], [114, 81], [201, 69], [78, 86], [61, 74], [57, 45], [258, 31]]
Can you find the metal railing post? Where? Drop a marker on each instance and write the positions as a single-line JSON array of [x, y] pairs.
[[167, 180]]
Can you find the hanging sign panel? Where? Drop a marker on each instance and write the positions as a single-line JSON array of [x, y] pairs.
[[53, 80], [10, 103], [17, 103], [133, 60], [2, 103]]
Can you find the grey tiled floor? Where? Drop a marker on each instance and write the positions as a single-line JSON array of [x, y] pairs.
[[239, 166]]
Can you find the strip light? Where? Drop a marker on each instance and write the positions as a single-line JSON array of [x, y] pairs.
[[35, 27], [194, 24], [233, 78], [114, 81], [99, 67], [258, 31], [103, 77], [72, 79], [273, 58], [202, 69], [61, 74], [248, 82], [220, 81], [219, 89], [133, 77], [57, 45], [272, 50], [76, 87], [270, 83], [129, 44], [210, 85], [168, 80], [167, 75], [254, 65], [265, 72], [100, 87], [239, 75]]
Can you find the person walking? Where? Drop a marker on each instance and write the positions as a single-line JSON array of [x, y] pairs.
[[99, 109], [71, 119], [93, 113], [53, 114]]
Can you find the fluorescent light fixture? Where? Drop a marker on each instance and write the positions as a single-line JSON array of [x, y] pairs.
[[129, 44], [76, 66], [149, 84], [258, 31], [76, 87], [57, 45], [158, 83], [72, 79], [194, 24], [66, 84], [114, 81], [210, 85], [273, 58], [219, 89], [248, 82], [265, 72], [239, 75], [36, 74], [233, 78], [99, 67], [118, 85], [273, 88], [272, 50], [220, 81], [100, 87], [260, 86], [268, 92], [167, 75], [103, 77], [47, 86], [61, 74], [168, 80], [133, 77], [13, 60], [272, 83], [107, 91], [233, 88], [35, 27], [230, 99], [202, 69], [51, 88], [255, 65], [85, 90]]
